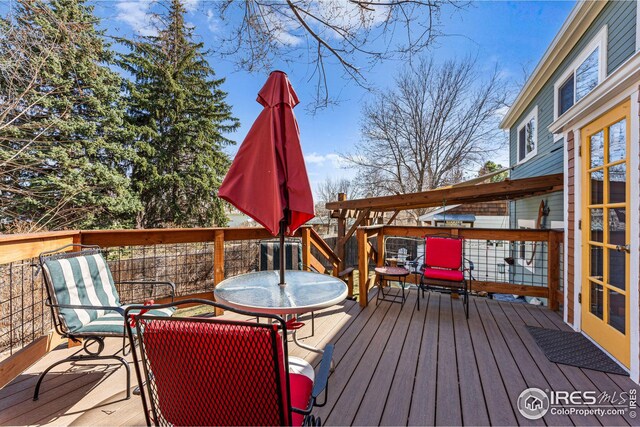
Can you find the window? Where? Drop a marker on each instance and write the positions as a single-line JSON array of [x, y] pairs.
[[528, 136], [584, 74]]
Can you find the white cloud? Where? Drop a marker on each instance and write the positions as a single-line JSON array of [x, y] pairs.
[[190, 5], [137, 15], [212, 21], [332, 159]]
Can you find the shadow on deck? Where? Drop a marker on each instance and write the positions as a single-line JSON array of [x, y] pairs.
[[395, 365]]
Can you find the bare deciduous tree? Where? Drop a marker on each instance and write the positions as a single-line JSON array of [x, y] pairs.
[[356, 34], [435, 123], [328, 189]]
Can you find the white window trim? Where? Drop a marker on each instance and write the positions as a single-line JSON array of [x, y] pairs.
[[531, 115], [599, 41], [526, 223]]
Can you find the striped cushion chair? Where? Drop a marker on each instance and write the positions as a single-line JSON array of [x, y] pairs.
[[270, 255], [85, 304]]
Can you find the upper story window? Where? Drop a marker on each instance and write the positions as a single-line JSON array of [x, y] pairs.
[[584, 74], [528, 136]]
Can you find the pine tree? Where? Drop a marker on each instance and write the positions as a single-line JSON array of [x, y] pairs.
[[179, 114], [62, 161]]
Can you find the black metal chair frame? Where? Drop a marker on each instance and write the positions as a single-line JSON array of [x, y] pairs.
[[448, 286], [145, 378], [86, 338]]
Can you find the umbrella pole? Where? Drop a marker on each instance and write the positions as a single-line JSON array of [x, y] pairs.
[[283, 230]]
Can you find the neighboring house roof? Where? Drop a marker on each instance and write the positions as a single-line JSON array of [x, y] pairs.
[[454, 217], [578, 22], [499, 208]]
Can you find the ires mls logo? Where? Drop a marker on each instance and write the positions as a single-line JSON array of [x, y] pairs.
[[533, 403]]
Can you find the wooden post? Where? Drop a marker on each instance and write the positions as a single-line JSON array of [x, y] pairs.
[[340, 248], [218, 262], [553, 269], [363, 267], [306, 246]]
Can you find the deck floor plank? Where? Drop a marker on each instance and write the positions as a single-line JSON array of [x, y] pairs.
[[377, 395], [511, 376], [394, 366], [474, 410], [498, 403], [448, 409], [530, 371], [397, 412], [353, 342], [423, 401]]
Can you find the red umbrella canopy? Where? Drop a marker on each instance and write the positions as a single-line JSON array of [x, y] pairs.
[[268, 174]]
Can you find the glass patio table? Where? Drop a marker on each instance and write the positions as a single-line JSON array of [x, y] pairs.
[[260, 292]]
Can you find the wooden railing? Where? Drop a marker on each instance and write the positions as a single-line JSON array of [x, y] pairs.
[[547, 244], [25, 333]]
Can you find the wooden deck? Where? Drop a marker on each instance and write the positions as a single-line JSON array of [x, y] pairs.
[[394, 366]]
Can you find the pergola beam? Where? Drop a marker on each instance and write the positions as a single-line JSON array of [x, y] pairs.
[[503, 190]]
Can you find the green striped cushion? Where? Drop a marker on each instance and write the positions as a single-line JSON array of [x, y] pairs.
[[82, 280], [270, 255], [113, 322]]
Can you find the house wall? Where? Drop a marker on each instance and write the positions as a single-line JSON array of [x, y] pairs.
[[620, 17]]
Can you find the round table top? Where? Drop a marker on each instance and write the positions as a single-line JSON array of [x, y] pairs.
[[392, 271], [260, 292]]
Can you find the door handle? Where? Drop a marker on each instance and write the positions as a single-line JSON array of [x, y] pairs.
[[623, 248]]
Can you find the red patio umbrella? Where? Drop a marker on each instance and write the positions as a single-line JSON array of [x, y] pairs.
[[268, 178]]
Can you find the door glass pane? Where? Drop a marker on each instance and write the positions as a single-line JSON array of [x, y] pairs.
[[587, 74], [596, 225], [596, 262], [597, 185], [617, 268], [618, 141], [617, 226], [617, 311], [617, 183], [595, 299], [597, 149]]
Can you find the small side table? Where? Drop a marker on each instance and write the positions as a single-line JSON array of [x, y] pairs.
[[398, 274]]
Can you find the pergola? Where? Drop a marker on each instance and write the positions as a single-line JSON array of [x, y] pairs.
[[365, 211]]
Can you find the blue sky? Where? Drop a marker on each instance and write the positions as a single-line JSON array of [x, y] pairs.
[[513, 35]]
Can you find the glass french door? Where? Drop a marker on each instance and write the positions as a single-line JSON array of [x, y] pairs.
[[605, 231]]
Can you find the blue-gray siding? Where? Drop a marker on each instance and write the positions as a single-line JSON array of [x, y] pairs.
[[620, 17]]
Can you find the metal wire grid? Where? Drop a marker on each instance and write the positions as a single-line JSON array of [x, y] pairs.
[[501, 261], [23, 315], [240, 256], [188, 265]]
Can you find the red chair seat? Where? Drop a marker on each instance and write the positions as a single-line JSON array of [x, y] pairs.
[[440, 274], [301, 387]]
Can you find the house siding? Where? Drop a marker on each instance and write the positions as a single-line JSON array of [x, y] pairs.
[[620, 17]]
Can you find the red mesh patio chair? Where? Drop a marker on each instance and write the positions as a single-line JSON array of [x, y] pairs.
[[443, 269], [211, 371]]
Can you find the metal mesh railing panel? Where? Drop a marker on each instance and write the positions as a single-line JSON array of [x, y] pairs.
[[23, 315], [188, 265]]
